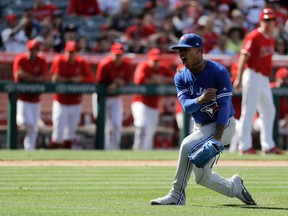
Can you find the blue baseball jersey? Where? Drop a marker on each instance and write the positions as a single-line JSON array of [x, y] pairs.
[[190, 87]]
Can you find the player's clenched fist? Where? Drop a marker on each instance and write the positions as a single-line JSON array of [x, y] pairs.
[[208, 95]]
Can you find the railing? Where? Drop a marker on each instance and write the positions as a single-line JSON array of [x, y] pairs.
[[12, 89]]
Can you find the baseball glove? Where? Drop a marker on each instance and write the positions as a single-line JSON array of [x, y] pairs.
[[202, 155]]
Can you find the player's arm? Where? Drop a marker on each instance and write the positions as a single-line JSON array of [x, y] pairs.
[[24, 76], [55, 71], [122, 80], [86, 76], [207, 95], [100, 73], [140, 78], [219, 130], [154, 79], [42, 75], [143, 75], [223, 116], [58, 78], [223, 98], [19, 74], [118, 82], [248, 49], [241, 66], [75, 79], [189, 105]]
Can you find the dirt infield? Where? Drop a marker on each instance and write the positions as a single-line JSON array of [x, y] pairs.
[[135, 163]]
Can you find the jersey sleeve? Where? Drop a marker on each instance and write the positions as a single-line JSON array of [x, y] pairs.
[[189, 104], [55, 67], [88, 76], [100, 74], [248, 45], [139, 75], [16, 67], [224, 95]]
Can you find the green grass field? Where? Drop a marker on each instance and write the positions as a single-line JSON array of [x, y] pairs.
[[128, 190], [117, 155]]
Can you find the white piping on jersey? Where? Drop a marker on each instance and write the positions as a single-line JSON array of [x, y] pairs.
[[218, 96], [224, 95], [182, 92]]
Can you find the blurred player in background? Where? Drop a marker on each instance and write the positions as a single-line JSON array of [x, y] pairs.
[[145, 108], [114, 71], [66, 109], [83, 8], [29, 67], [281, 81], [254, 70]]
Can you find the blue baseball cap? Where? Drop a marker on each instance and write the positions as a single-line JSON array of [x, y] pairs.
[[189, 41]]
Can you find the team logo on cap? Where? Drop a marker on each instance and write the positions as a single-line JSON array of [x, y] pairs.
[[184, 37]]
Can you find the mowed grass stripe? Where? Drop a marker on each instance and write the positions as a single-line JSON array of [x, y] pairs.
[[118, 155]]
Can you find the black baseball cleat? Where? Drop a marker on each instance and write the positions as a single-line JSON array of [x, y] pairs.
[[243, 194]]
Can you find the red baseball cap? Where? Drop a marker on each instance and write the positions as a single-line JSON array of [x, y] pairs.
[[154, 54], [282, 73], [11, 18], [117, 48], [33, 44], [71, 46], [267, 13]]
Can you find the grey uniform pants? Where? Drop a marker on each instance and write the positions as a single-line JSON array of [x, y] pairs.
[[203, 176]]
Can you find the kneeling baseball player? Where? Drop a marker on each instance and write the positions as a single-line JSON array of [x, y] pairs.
[[204, 90]]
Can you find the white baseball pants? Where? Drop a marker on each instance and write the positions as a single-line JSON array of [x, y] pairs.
[[256, 96], [28, 115], [146, 121], [180, 122], [65, 120], [113, 122]]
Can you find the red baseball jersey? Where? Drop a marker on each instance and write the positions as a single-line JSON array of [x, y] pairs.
[[44, 11], [283, 103], [66, 69], [107, 71], [260, 48], [134, 32], [36, 67], [84, 7], [283, 107], [144, 71]]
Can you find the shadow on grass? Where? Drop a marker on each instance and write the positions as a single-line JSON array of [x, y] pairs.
[[256, 207]]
